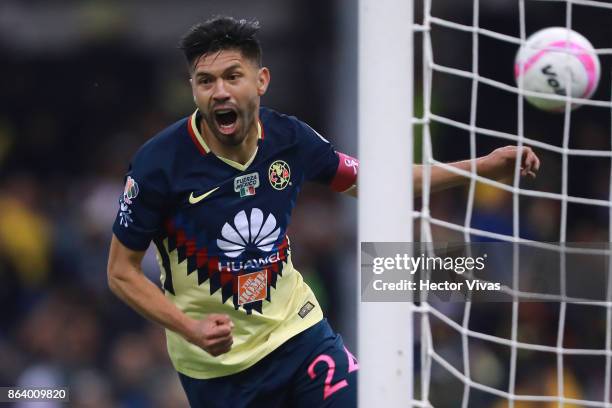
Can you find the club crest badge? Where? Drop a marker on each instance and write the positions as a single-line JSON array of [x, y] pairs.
[[130, 190], [246, 185], [279, 174]]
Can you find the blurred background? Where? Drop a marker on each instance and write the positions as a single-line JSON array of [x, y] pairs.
[[85, 83]]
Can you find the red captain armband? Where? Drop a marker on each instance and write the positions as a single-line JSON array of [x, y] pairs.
[[346, 173]]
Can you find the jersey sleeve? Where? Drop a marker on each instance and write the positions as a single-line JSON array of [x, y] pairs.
[[323, 164], [141, 206]]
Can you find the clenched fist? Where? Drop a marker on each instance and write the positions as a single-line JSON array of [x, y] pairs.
[[213, 333]]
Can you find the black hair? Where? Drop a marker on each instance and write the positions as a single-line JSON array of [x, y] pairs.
[[222, 33]]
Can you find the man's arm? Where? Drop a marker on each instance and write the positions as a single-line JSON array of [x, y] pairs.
[[126, 280], [496, 165]]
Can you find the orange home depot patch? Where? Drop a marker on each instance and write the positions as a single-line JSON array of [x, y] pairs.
[[252, 287]]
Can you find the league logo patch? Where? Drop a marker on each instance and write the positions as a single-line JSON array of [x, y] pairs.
[[246, 185], [252, 287], [130, 190], [279, 174], [125, 217], [304, 310]]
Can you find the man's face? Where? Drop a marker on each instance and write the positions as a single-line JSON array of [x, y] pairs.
[[226, 87]]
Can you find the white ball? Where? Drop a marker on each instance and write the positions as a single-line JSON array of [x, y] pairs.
[[553, 61]]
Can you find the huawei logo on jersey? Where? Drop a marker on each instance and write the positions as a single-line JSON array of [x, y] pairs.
[[248, 233]]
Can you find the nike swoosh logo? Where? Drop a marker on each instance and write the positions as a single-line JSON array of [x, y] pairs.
[[195, 200]]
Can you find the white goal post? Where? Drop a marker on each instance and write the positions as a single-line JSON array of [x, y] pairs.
[[385, 191]]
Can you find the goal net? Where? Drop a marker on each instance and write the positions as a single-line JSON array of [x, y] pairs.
[[535, 349]]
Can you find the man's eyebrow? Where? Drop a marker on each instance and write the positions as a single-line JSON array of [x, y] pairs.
[[233, 67], [230, 68]]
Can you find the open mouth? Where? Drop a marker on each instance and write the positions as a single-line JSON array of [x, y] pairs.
[[226, 120]]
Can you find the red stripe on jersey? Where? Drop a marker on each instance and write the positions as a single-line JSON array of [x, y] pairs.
[[226, 277], [191, 247], [201, 257], [180, 238], [346, 173], [194, 139], [213, 265], [262, 130], [170, 226]]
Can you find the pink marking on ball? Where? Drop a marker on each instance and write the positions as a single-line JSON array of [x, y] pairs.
[[583, 56]]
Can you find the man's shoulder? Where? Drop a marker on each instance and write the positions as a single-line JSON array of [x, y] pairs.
[[273, 118], [164, 145], [282, 128]]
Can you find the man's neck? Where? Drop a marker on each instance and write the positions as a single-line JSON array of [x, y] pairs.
[[241, 153]]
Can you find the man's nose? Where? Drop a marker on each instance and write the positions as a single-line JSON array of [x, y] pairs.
[[220, 92]]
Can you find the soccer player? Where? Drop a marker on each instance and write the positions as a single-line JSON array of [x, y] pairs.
[[214, 192]]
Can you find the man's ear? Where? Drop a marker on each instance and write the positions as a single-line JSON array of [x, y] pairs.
[[192, 92], [263, 80]]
